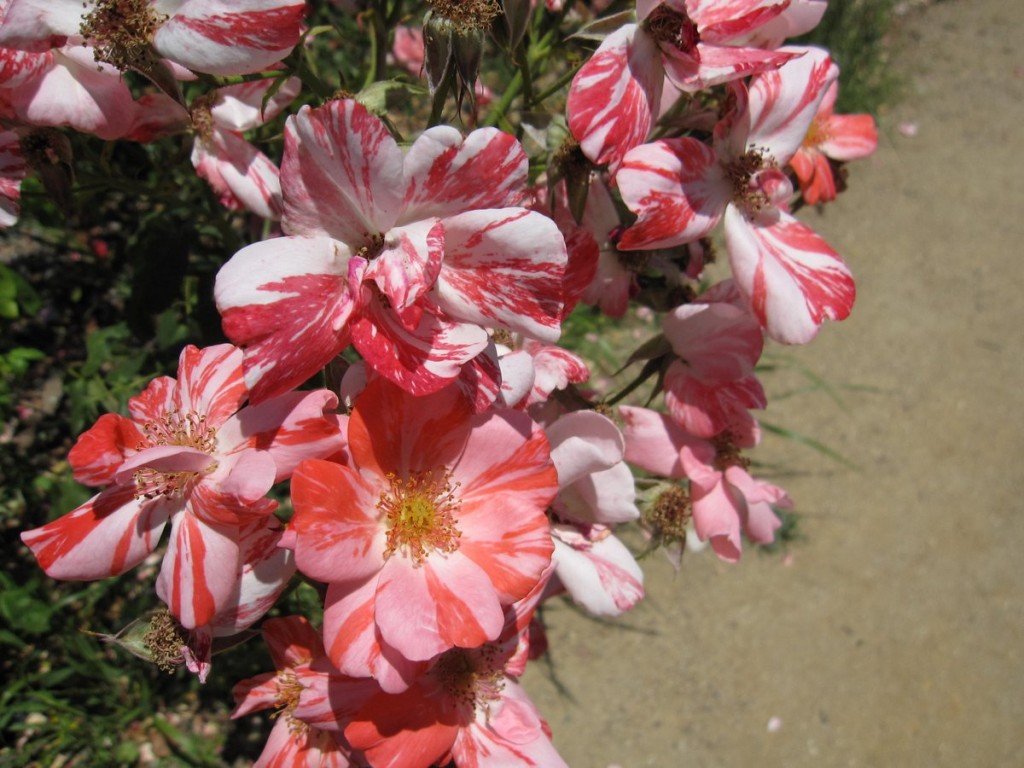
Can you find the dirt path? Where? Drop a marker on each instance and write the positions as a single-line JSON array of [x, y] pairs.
[[894, 635]]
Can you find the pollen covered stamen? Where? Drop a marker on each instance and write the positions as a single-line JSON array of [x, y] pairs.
[[190, 431], [672, 27], [468, 14], [373, 247], [202, 118], [150, 483], [421, 512], [743, 172], [473, 678], [289, 689], [164, 639], [727, 453], [120, 32], [669, 514]]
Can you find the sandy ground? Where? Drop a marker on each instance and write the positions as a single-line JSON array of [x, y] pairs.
[[893, 636]]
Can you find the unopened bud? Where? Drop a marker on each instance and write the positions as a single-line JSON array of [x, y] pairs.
[[437, 49], [510, 28], [468, 51]]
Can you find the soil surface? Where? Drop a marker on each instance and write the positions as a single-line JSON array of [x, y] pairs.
[[892, 633]]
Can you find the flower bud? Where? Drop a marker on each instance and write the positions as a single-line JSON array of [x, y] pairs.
[[509, 30], [437, 49], [468, 51]]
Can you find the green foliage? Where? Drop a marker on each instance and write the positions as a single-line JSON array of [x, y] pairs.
[[17, 297], [857, 35]]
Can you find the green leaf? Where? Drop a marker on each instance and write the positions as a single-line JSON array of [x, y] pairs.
[[17, 297], [386, 95], [24, 612]]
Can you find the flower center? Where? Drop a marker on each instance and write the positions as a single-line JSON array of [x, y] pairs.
[[745, 173], [421, 514], [191, 431], [668, 515], [467, 15], [121, 30], [473, 678], [164, 640], [674, 28], [727, 453], [202, 118], [373, 247], [288, 691], [817, 134]]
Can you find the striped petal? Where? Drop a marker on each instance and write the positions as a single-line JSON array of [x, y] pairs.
[[341, 174], [289, 428], [288, 301], [849, 137], [391, 431], [235, 493], [598, 572], [339, 539], [241, 175], [106, 536], [613, 96], [424, 609], [408, 264], [265, 571], [100, 451], [18, 66], [782, 103], [210, 382], [227, 37], [727, 19], [677, 189], [422, 358], [446, 174], [554, 368], [153, 403], [719, 64], [791, 277], [200, 570], [354, 647], [508, 539], [504, 268]]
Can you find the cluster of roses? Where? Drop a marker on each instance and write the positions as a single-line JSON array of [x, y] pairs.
[[459, 476]]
